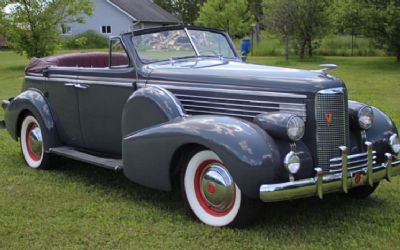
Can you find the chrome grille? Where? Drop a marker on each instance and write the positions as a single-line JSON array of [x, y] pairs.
[[354, 162], [246, 107], [332, 124]]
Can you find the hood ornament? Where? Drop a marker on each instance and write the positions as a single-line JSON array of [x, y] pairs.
[[327, 67]]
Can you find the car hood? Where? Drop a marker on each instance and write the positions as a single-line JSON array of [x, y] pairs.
[[241, 75]]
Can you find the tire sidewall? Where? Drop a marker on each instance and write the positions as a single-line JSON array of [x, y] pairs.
[[189, 193]]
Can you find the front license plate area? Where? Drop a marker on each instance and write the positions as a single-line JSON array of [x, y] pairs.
[[358, 179]]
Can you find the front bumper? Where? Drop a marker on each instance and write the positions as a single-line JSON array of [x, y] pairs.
[[343, 181]]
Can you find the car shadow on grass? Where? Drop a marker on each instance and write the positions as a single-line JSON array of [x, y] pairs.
[[309, 212]]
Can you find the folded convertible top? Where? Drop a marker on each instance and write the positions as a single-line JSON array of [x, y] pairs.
[[85, 60]]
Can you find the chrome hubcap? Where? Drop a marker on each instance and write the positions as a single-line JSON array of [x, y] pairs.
[[35, 141], [217, 188]]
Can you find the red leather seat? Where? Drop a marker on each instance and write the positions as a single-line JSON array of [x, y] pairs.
[[80, 60]]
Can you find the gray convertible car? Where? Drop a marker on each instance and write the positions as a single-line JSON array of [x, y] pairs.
[[178, 103]]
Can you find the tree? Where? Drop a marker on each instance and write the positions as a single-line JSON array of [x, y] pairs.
[[313, 23], [384, 24], [32, 26], [230, 15], [280, 18], [349, 17], [187, 10], [255, 7]]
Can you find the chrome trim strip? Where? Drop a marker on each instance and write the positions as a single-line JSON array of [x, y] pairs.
[[239, 100], [241, 105], [231, 91], [351, 157], [322, 184], [76, 80], [218, 113], [220, 108], [35, 78], [339, 90], [120, 84]]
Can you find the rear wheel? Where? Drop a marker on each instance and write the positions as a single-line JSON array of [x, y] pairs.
[[211, 194], [362, 192], [32, 142]]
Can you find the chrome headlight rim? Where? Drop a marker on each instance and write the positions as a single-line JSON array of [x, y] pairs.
[[298, 133], [365, 117], [394, 142], [292, 163]]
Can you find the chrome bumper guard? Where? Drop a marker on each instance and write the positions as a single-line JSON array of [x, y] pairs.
[[322, 184]]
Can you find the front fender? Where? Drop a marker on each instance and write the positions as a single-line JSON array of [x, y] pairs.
[[379, 133], [248, 152], [32, 101]]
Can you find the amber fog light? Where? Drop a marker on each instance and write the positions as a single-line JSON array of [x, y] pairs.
[[394, 143], [292, 162]]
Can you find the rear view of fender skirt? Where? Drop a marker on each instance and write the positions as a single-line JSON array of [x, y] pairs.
[[322, 184]]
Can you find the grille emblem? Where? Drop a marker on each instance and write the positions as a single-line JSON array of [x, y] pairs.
[[329, 119]]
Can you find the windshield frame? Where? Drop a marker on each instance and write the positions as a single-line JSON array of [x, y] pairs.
[[185, 29]]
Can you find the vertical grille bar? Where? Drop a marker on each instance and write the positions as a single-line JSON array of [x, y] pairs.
[[332, 122]]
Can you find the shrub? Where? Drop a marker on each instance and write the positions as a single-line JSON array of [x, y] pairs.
[[88, 40]]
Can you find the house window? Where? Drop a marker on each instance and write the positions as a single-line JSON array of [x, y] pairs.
[[66, 30], [106, 29]]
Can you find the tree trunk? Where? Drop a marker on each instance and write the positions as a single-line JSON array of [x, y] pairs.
[[398, 55], [310, 48], [286, 42], [302, 49]]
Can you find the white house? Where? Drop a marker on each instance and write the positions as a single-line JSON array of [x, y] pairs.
[[113, 17]]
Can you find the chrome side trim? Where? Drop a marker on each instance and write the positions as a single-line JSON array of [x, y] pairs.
[[343, 181], [218, 113], [237, 99], [76, 80], [231, 91]]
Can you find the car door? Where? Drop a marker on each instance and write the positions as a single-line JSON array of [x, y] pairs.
[[102, 99], [63, 99]]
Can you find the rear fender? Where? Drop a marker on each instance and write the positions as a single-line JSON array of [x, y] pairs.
[[31, 101]]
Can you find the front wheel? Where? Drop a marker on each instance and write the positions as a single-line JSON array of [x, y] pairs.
[[32, 141], [211, 194]]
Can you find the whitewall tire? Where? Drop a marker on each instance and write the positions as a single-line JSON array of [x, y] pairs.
[[32, 143], [210, 192]]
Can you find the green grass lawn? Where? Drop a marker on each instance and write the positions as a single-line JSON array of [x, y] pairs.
[[80, 206]]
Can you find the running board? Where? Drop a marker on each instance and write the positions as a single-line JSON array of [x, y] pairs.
[[71, 153]]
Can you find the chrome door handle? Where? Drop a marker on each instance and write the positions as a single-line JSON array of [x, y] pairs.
[[76, 85], [69, 84], [80, 86]]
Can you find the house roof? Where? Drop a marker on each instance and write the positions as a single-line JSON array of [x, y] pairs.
[[144, 11]]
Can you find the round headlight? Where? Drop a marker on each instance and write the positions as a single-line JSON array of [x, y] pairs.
[[295, 128], [394, 142], [366, 117], [292, 162]]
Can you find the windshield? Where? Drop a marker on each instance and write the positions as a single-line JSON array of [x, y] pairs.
[[174, 44]]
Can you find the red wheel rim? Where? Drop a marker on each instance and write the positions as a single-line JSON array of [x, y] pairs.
[[199, 195], [32, 155]]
